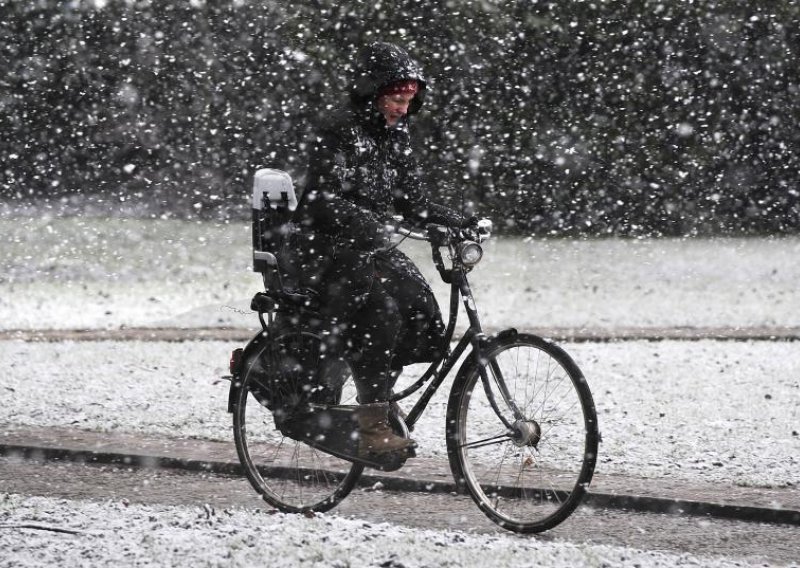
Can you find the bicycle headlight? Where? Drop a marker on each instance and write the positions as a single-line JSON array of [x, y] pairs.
[[470, 253]]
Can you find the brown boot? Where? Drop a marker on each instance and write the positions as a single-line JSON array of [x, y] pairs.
[[375, 434]]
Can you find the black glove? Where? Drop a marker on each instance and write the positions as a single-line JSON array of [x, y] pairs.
[[470, 222], [469, 228], [476, 229]]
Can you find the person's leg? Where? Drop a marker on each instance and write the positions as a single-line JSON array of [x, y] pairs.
[[422, 329], [344, 289], [363, 322], [376, 327], [374, 330]]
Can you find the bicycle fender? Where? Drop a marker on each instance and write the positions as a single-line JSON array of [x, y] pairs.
[[510, 332], [469, 361]]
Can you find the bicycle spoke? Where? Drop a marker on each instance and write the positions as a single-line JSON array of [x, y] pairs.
[[523, 487], [487, 441], [290, 474]]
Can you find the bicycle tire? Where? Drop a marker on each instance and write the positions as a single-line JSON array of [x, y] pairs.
[[523, 481], [290, 475]]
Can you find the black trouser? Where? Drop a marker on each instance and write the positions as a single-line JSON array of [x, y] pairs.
[[379, 311]]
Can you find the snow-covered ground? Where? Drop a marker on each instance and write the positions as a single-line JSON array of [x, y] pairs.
[[121, 534], [713, 411], [105, 273]]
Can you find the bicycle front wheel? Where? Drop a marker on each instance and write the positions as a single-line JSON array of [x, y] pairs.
[[289, 474], [529, 470]]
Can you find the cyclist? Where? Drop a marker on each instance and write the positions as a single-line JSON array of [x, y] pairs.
[[376, 306]]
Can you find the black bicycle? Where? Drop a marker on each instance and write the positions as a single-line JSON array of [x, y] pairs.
[[521, 426]]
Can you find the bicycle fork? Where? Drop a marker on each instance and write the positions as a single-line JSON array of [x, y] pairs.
[[479, 342], [475, 337]]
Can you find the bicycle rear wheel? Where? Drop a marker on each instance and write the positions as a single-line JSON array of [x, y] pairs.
[[530, 476], [291, 475]]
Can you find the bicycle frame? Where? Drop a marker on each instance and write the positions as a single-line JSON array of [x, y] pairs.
[[473, 336]]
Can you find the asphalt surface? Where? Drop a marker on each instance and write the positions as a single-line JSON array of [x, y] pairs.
[[769, 505]]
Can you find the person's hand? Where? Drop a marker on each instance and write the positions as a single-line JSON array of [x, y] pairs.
[[469, 228], [470, 222], [476, 229]]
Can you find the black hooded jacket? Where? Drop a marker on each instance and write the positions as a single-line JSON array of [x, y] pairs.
[[361, 171]]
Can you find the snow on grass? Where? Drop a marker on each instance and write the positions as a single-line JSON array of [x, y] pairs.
[[121, 534], [101, 273], [105, 273], [711, 411]]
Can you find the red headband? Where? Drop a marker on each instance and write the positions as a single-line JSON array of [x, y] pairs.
[[399, 88]]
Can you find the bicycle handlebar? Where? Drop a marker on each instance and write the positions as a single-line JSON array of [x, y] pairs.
[[411, 234], [442, 235], [462, 240]]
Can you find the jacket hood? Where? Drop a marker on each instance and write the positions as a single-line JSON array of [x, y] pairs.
[[380, 64]]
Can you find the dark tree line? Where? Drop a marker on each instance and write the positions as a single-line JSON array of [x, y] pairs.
[[644, 117]]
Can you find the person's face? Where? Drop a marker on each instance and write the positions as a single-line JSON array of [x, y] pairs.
[[394, 107]]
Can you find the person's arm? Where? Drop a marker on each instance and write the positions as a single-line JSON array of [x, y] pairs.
[[325, 206], [413, 203]]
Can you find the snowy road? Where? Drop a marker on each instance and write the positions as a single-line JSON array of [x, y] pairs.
[[127, 516]]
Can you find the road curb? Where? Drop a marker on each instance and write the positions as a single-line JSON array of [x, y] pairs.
[[618, 501], [560, 334]]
